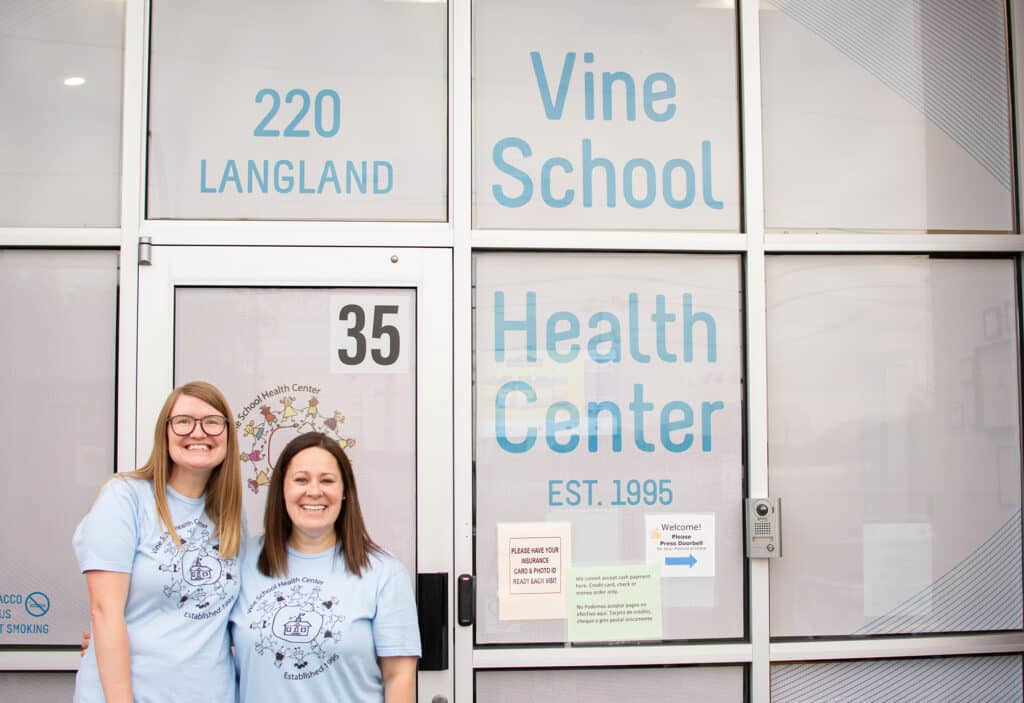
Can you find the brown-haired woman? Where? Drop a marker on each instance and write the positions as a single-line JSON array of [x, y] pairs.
[[159, 552], [324, 613]]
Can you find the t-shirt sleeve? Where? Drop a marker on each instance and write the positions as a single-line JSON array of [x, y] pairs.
[[107, 537], [396, 630]]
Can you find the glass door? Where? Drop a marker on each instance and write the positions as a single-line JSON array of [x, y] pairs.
[[328, 340]]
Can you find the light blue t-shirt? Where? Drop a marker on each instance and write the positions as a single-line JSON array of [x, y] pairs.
[[315, 634], [179, 599]]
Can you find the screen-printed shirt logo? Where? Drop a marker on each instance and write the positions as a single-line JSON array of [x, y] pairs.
[[297, 627], [199, 582], [275, 416]]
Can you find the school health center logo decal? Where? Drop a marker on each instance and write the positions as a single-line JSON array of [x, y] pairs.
[[275, 416], [298, 626], [199, 582]]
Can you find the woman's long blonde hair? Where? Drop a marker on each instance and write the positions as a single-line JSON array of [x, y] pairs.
[[223, 489]]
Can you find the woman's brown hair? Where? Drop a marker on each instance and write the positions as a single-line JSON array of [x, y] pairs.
[[354, 541], [224, 487]]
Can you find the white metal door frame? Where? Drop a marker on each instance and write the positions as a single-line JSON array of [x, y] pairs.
[[429, 271]]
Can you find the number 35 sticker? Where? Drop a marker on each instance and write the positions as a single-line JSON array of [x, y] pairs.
[[369, 332]]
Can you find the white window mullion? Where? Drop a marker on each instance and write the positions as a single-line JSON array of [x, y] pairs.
[[754, 308]]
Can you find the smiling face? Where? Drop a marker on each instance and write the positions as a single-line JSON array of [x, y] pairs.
[[196, 452], [313, 493]]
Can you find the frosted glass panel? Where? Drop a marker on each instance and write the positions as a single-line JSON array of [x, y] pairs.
[[327, 110], [609, 447], [60, 145], [37, 687], [709, 684], [592, 114], [975, 679], [893, 387], [57, 366], [889, 115], [273, 351]]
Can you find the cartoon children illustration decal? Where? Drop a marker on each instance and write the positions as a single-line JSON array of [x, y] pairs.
[[257, 434]]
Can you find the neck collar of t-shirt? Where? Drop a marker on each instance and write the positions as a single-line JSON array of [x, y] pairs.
[[185, 499], [329, 552]]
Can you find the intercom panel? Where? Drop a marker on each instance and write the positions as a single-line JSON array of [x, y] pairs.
[[764, 528]]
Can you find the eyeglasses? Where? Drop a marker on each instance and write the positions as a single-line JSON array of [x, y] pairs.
[[182, 425]]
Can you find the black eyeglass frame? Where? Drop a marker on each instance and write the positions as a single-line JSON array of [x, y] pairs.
[[201, 422]]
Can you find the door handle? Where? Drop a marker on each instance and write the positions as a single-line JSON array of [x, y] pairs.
[[466, 599], [432, 610]]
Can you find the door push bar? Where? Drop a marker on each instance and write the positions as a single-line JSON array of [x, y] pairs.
[[432, 608]]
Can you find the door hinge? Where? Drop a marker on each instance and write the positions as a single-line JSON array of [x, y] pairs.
[[145, 251]]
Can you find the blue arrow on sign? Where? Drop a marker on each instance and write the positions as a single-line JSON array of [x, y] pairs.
[[681, 561]]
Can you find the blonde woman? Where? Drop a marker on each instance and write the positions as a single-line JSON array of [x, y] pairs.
[[159, 550]]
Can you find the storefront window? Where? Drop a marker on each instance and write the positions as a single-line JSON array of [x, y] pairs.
[[609, 443], [940, 679], [57, 429], [886, 116], [60, 129], [325, 111], [605, 115], [708, 684], [894, 444]]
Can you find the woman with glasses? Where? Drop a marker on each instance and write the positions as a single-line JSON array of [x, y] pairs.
[[159, 550]]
